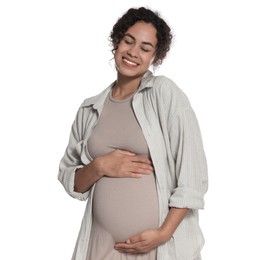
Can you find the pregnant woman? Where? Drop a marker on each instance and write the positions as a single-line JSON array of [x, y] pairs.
[[135, 153]]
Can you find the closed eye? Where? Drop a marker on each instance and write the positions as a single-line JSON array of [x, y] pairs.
[[144, 49], [128, 42]]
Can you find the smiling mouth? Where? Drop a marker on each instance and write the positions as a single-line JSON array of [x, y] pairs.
[[130, 63]]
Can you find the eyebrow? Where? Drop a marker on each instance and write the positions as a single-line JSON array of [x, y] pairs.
[[147, 43]]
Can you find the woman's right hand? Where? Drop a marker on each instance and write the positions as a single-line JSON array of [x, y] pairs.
[[123, 164], [117, 164]]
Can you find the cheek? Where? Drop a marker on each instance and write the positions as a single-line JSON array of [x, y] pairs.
[[121, 47], [150, 59], [116, 54]]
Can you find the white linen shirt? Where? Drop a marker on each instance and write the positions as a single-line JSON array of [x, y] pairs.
[[173, 136]]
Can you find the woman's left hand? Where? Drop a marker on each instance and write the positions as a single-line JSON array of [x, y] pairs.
[[142, 242]]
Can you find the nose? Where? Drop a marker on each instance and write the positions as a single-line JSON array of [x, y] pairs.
[[133, 51]]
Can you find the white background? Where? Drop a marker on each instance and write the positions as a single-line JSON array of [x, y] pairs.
[[54, 54]]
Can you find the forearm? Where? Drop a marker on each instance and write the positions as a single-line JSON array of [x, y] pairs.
[[172, 221], [86, 177]]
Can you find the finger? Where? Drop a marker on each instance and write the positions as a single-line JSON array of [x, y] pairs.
[[141, 169], [128, 248], [134, 239], [123, 247], [133, 175], [132, 250], [140, 159], [125, 152]]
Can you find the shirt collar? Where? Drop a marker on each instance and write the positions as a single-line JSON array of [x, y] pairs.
[[98, 101], [146, 81]]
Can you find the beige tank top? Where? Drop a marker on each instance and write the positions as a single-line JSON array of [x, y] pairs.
[[117, 128]]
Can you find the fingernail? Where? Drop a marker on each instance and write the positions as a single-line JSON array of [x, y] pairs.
[[128, 241]]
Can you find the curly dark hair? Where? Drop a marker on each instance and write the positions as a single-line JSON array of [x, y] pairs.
[[164, 36]]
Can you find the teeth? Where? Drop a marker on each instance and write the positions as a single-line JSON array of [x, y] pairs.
[[130, 62]]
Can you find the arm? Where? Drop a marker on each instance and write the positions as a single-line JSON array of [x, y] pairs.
[[172, 221], [181, 126], [85, 177], [116, 164]]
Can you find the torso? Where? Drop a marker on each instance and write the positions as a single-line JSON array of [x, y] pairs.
[[122, 206]]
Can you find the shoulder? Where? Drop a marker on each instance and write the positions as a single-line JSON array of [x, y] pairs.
[[96, 100], [169, 92], [90, 100], [91, 104]]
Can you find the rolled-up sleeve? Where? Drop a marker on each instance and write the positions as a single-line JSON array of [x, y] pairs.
[[71, 161], [190, 161]]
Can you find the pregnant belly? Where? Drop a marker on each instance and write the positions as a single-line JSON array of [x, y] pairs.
[[125, 206]]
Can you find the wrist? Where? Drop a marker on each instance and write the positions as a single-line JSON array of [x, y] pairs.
[[97, 167], [165, 235]]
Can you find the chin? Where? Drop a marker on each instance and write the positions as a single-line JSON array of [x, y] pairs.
[[127, 72]]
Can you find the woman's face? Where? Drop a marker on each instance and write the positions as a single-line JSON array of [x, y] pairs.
[[136, 51]]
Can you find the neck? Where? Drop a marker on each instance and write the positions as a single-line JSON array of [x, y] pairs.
[[125, 86]]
